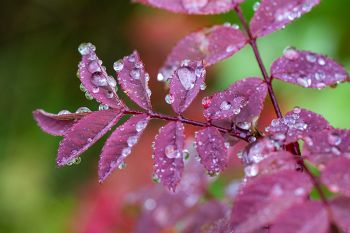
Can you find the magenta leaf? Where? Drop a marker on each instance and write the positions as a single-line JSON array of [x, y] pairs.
[[185, 84], [261, 201], [94, 78], [273, 15], [242, 102], [296, 124], [326, 145], [199, 7], [336, 176], [308, 217], [133, 78], [168, 154], [57, 124], [341, 212], [307, 69], [210, 45], [119, 144], [211, 148], [85, 133]]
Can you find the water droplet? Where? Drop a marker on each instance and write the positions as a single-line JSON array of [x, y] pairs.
[[320, 75], [311, 58], [135, 74], [203, 86], [94, 66], [251, 139], [230, 48], [132, 140], [85, 48], [200, 71], [138, 65], [111, 81], [82, 109], [109, 94], [185, 62], [227, 145], [95, 90], [206, 101], [290, 53], [169, 99], [160, 77], [171, 152], [118, 65], [155, 178], [126, 151], [256, 6], [186, 154], [321, 61], [122, 165], [244, 125], [334, 139], [187, 77], [304, 81], [132, 58], [147, 77], [99, 80], [225, 106], [63, 112], [279, 137], [141, 125], [88, 96], [251, 170], [103, 107], [74, 161], [82, 87], [149, 204], [299, 191], [277, 190], [235, 26]]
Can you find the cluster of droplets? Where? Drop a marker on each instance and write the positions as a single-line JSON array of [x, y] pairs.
[[188, 77], [286, 126], [290, 14], [194, 6], [102, 83], [79, 110], [237, 104]]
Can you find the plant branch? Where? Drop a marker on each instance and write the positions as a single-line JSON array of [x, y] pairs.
[[252, 42], [235, 132]]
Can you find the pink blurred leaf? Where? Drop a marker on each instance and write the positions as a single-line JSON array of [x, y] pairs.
[[321, 147], [94, 78], [307, 217], [220, 226], [85, 133], [260, 202], [185, 84], [133, 78], [336, 176], [199, 7], [341, 212], [242, 102], [56, 124], [211, 148], [307, 69], [273, 15], [210, 45], [168, 158], [119, 144], [296, 124]]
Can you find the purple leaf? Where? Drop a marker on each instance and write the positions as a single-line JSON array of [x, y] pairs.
[[168, 158], [199, 7], [94, 78], [185, 84], [273, 15], [85, 133], [220, 226], [326, 145], [211, 148], [205, 215], [57, 124], [295, 125], [308, 217], [336, 176], [119, 144], [341, 212], [307, 69], [210, 45], [242, 102], [261, 201], [133, 78]]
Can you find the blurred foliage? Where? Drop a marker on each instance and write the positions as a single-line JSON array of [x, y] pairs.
[[38, 61]]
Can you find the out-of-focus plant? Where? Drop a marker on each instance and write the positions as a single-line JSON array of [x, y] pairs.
[[279, 175]]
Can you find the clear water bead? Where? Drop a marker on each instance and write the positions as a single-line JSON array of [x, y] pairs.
[[88, 96], [141, 125], [311, 58], [334, 139], [251, 170], [85, 48], [304, 81], [82, 110], [321, 61], [94, 67], [63, 112], [155, 178], [103, 107], [122, 165], [169, 99], [187, 77], [225, 106], [194, 6], [256, 6], [290, 53], [171, 152], [82, 87], [118, 65], [132, 140], [160, 77], [203, 86], [99, 80], [135, 74], [126, 151]]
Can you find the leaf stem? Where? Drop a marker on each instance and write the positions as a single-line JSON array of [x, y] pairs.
[[235, 132]]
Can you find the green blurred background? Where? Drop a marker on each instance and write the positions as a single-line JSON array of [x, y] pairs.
[[38, 62]]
